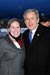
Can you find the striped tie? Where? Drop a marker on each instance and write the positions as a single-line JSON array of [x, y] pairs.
[[30, 37]]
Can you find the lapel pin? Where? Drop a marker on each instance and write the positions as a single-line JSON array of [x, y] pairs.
[[37, 34]]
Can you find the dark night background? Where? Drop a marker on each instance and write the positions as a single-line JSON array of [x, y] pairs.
[[16, 8]]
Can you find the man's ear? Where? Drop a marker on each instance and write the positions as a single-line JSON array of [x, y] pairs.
[[38, 20]]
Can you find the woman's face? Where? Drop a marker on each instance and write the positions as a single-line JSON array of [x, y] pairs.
[[15, 29]]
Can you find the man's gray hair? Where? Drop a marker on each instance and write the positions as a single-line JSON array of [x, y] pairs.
[[31, 10]]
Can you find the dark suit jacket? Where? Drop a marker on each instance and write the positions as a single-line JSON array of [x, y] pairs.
[[11, 58], [37, 53]]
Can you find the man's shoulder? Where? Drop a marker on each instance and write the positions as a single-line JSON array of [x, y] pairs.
[[25, 34], [43, 28], [26, 31], [40, 25]]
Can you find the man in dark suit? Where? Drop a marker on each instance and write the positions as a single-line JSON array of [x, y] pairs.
[[37, 60]]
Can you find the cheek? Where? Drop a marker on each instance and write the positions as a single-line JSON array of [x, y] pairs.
[[11, 29], [35, 22], [18, 30], [26, 22]]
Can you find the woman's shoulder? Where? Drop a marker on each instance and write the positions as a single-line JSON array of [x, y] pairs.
[[3, 39]]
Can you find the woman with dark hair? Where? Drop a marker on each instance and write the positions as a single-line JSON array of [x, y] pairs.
[[12, 51]]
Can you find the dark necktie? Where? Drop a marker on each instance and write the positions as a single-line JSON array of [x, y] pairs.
[[30, 37]]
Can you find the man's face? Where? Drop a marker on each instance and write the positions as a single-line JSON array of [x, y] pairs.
[[31, 20]]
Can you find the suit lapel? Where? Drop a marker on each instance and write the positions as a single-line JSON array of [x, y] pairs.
[[38, 34]]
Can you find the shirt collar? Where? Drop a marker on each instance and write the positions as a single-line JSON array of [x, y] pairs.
[[35, 29]]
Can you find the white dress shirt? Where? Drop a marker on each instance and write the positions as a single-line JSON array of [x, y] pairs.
[[33, 31]]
